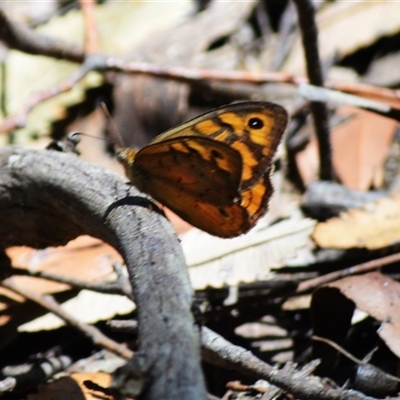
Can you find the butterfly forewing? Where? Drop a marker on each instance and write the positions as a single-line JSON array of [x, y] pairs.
[[255, 200], [255, 129]]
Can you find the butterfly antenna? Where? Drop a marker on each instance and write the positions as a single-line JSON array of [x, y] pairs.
[[112, 125], [73, 136]]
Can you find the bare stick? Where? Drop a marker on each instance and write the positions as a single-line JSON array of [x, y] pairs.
[[340, 349], [19, 37], [50, 304], [357, 269], [35, 373], [123, 282], [91, 32], [309, 33], [18, 120], [110, 288], [218, 351], [190, 75]]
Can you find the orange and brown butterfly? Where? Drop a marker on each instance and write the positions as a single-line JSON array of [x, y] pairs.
[[213, 171]]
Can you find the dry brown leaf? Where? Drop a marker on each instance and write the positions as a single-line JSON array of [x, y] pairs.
[[307, 160], [72, 388], [383, 305], [138, 99], [374, 226], [84, 258], [360, 145]]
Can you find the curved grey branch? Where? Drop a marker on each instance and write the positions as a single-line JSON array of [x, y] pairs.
[[48, 198]]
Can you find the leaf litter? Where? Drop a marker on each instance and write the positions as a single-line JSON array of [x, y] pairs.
[[246, 287]]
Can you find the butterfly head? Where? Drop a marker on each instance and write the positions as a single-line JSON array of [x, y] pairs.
[[126, 157]]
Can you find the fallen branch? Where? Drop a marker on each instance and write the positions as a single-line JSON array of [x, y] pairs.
[[48, 198], [121, 287], [50, 304], [19, 37], [368, 266], [299, 382], [22, 377]]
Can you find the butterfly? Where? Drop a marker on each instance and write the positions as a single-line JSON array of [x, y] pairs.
[[214, 170]]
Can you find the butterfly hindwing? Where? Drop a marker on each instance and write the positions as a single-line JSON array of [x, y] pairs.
[[223, 220], [196, 166]]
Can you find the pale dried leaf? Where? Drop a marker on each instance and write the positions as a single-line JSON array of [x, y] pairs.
[[297, 303], [374, 226], [87, 306], [218, 262], [370, 20], [383, 71]]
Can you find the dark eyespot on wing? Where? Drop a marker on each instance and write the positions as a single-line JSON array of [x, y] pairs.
[[255, 123]]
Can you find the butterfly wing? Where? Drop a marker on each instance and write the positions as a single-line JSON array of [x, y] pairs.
[[223, 220], [255, 199], [193, 167], [213, 171], [254, 129]]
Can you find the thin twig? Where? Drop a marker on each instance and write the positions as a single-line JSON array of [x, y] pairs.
[[321, 94], [18, 120], [197, 75], [19, 37], [50, 304], [240, 387], [340, 349], [309, 33], [91, 31], [109, 288], [218, 351], [357, 269], [123, 283], [25, 376], [190, 75], [126, 326]]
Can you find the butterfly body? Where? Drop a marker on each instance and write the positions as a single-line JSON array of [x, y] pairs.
[[213, 171]]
